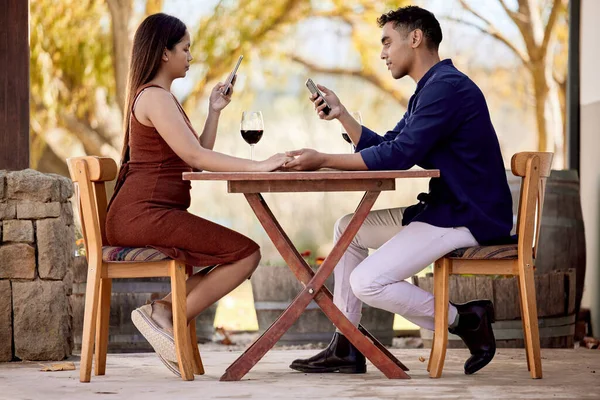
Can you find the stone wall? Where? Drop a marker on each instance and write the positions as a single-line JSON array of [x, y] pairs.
[[37, 245]]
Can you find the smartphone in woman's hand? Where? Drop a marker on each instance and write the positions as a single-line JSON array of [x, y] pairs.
[[232, 76]]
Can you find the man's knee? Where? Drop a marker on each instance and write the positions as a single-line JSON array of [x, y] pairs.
[[341, 225], [363, 285]]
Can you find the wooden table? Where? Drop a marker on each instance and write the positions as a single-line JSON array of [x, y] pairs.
[[252, 185]]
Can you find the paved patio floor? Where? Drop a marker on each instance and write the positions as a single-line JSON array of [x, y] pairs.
[[568, 374]]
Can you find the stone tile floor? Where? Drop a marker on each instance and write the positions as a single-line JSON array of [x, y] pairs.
[[568, 374]]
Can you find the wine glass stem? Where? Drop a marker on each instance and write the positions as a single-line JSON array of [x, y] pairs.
[[252, 152]]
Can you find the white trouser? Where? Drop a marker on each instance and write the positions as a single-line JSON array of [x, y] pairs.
[[378, 279]]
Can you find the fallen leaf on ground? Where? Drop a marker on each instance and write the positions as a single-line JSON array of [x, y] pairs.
[[65, 366], [221, 332], [590, 342]]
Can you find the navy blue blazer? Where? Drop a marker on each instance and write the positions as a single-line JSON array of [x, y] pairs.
[[447, 126]]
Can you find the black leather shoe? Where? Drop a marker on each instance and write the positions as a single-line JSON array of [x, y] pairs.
[[475, 329], [339, 356]]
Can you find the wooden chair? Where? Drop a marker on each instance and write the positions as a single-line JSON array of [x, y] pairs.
[[90, 174], [516, 259]]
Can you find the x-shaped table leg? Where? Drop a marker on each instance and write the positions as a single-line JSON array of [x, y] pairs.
[[314, 289]]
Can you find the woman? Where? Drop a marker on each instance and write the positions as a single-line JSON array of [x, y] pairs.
[[149, 206]]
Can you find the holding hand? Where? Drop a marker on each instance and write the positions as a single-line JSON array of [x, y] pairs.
[[217, 100], [274, 162], [334, 102], [306, 159]]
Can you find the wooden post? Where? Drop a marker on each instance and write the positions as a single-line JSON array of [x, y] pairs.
[[573, 88], [14, 84]]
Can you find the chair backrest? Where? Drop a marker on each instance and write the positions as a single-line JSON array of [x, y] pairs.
[[534, 168], [89, 175]]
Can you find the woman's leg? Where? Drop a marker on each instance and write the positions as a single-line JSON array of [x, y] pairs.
[[218, 282], [205, 289]]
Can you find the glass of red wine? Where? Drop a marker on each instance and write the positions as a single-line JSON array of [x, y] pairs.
[[251, 128], [358, 118]]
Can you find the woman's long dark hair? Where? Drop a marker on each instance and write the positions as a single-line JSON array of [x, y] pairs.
[[155, 34]]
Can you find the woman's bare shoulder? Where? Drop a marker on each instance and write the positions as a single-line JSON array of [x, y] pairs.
[[154, 94], [150, 101]]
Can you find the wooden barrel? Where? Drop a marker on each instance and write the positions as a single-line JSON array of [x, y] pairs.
[[274, 287], [556, 296], [128, 294], [562, 240]]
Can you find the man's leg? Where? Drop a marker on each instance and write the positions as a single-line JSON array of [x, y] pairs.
[[379, 227], [380, 279], [379, 282], [341, 355]]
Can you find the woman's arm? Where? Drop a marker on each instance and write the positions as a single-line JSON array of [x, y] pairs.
[[159, 108], [209, 133], [217, 102]]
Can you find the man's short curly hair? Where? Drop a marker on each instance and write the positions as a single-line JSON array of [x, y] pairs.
[[413, 17]]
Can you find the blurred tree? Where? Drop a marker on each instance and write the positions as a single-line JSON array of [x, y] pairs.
[[120, 13], [80, 56], [543, 29], [360, 16], [70, 74], [79, 67], [237, 27]]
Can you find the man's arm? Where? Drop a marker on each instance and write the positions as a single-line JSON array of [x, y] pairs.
[[368, 138], [361, 136], [310, 160], [351, 126], [434, 117]]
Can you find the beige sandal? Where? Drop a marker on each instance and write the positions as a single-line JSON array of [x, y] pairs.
[[159, 338], [173, 367]]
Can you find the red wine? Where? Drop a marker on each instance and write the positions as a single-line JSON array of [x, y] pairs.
[[346, 137], [252, 136]]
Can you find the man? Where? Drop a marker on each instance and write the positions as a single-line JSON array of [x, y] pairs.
[[447, 126]]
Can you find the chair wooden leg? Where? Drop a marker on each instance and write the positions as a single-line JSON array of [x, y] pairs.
[[525, 333], [530, 320], [431, 353], [102, 326], [198, 366], [92, 295], [181, 331], [441, 291]]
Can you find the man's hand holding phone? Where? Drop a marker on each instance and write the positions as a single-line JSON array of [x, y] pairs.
[[331, 101]]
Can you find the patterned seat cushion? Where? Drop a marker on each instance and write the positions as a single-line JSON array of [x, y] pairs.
[[131, 254], [499, 252]]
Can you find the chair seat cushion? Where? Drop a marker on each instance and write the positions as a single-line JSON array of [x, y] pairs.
[[498, 252], [131, 254]]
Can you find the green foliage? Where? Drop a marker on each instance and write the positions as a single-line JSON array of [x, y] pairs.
[[71, 57], [237, 27]]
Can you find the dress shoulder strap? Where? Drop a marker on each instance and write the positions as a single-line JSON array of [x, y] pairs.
[[140, 90]]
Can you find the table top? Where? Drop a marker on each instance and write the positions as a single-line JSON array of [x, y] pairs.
[[309, 175]]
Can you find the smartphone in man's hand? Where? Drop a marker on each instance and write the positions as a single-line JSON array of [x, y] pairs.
[[315, 90], [232, 76]]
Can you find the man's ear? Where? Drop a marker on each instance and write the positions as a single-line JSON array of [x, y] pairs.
[[416, 38]]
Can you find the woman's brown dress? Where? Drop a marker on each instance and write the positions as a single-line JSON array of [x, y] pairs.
[[150, 202]]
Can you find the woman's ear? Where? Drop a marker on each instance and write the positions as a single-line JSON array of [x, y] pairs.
[[165, 56]]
